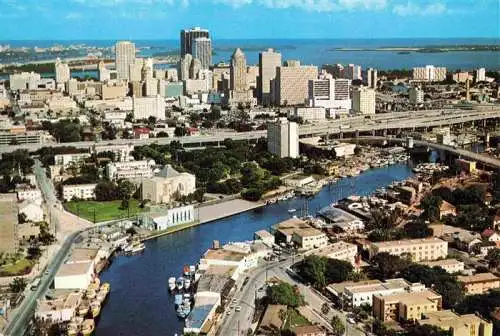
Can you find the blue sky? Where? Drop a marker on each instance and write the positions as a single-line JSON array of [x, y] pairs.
[[162, 19]]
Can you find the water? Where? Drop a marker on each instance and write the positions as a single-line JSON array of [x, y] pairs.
[[139, 303], [319, 51]]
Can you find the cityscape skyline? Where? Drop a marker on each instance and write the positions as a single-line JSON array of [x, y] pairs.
[[229, 19]]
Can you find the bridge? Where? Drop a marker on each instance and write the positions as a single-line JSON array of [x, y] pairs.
[[483, 159], [355, 126]]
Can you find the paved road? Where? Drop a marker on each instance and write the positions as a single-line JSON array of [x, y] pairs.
[[400, 120]]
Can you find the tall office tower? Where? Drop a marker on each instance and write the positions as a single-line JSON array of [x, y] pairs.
[[363, 100], [124, 57], [283, 138], [135, 70], [184, 65], [187, 38], [268, 62], [63, 74], [371, 78], [353, 72], [195, 68], [429, 73], [150, 87], [238, 71], [202, 50], [330, 93], [292, 83], [104, 73], [480, 75], [147, 69]]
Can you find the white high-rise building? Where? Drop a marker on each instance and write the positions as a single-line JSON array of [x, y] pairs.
[[104, 73], [145, 107], [480, 75], [353, 72], [429, 73], [371, 78], [283, 138], [416, 95], [124, 57], [329, 93], [135, 70], [63, 73], [269, 60], [202, 50], [363, 100]]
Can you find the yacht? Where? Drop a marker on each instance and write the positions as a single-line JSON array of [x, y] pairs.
[[180, 283], [291, 210], [187, 283], [96, 308], [88, 327], [171, 283]]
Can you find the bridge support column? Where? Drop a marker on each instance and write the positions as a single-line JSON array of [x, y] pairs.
[[487, 140], [373, 133], [341, 135], [356, 134], [385, 132]]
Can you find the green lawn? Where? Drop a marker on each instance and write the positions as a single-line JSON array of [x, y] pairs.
[[294, 319], [17, 268], [104, 211]]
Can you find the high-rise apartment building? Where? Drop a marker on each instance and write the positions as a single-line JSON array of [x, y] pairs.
[[416, 95], [353, 72], [292, 83], [371, 78], [283, 138], [187, 38], [363, 100], [63, 74], [202, 50], [429, 73], [104, 73], [135, 70], [146, 107], [238, 71], [124, 57], [147, 69], [329, 93], [480, 75], [269, 60]]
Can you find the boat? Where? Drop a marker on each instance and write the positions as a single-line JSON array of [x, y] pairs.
[[136, 248], [83, 309], [178, 299], [184, 309], [187, 283], [72, 329], [101, 296], [291, 210], [171, 283], [192, 269], [180, 283], [91, 294], [88, 327], [186, 270], [95, 306], [105, 287]]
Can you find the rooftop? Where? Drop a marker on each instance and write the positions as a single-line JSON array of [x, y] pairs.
[[83, 254], [424, 241], [223, 254], [272, 317], [339, 288], [447, 318], [212, 283], [73, 269], [263, 234], [412, 297], [444, 262], [308, 330], [335, 247], [480, 277]]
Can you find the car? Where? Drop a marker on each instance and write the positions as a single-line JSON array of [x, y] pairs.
[[228, 312], [238, 308], [351, 320], [234, 300]]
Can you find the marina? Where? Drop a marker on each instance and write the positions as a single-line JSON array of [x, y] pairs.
[[140, 283]]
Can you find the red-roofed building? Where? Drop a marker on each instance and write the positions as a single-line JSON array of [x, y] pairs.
[[193, 131], [141, 133], [491, 236]]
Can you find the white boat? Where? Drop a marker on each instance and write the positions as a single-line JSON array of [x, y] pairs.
[[180, 283], [187, 283], [171, 283], [292, 210], [137, 247]]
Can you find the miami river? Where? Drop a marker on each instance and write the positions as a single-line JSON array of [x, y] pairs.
[[139, 303]]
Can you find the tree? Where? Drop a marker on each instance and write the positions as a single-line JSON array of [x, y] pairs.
[[338, 270], [285, 294], [252, 194], [493, 258], [386, 266], [126, 189], [34, 252], [325, 308], [106, 191], [417, 229], [313, 269], [337, 326], [18, 285], [180, 131], [431, 207], [427, 330], [21, 218]]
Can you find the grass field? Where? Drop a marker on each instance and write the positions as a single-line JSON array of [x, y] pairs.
[[17, 268], [104, 211], [294, 319]]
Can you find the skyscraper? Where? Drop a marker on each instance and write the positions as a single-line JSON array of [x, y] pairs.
[[328, 92], [63, 74], [238, 71], [283, 138], [195, 68], [363, 100], [188, 36], [124, 57], [371, 78], [353, 72], [184, 65], [292, 83], [269, 60], [104, 73], [202, 50]]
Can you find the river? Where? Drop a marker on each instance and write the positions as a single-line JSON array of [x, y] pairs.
[[139, 303]]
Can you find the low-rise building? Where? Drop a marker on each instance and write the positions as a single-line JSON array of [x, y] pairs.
[[70, 159], [479, 283], [338, 218], [458, 325], [467, 165], [162, 187], [418, 249], [80, 191], [309, 330], [171, 217], [339, 250], [29, 194], [27, 231], [121, 152], [405, 306], [272, 321], [130, 169], [59, 310], [296, 231], [449, 265], [355, 294], [31, 211], [240, 260], [264, 236], [74, 276], [447, 209]]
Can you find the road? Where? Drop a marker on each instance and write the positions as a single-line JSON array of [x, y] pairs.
[[241, 321], [378, 122]]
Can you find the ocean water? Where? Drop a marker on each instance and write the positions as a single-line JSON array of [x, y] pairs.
[[320, 51]]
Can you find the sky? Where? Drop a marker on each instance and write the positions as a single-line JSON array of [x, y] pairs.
[[230, 19]]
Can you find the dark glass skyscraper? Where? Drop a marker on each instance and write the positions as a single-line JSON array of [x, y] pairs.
[[188, 36]]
